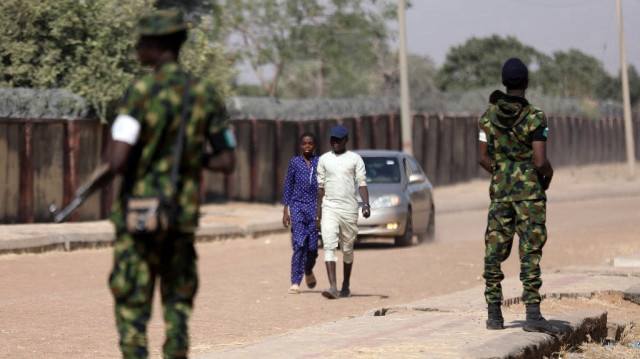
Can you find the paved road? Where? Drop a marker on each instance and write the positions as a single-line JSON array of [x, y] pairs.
[[56, 304]]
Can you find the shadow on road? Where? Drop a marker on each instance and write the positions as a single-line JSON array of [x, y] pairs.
[[319, 292]]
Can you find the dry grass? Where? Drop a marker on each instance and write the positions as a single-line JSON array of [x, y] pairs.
[[620, 311]]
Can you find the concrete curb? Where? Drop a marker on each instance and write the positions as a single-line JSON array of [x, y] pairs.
[[453, 325], [577, 327], [450, 335], [70, 236]]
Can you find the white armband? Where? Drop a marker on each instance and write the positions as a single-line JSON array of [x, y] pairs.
[[482, 136], [125, 129]]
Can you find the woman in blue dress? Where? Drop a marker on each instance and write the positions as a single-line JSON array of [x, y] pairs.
[[299, 199]]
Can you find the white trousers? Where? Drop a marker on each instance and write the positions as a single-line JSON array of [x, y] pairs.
[[342, 227]]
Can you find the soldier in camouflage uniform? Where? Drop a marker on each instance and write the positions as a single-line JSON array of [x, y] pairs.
[[512, 148], [143, 140]]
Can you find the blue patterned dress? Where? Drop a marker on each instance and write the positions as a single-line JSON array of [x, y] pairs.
[[301, 195]]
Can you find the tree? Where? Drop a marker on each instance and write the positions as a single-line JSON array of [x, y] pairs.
[[206, 55], [634, 85], [571, 74], [84, 47], [478, 62], [610, 88], [422, 86], [343, 56], [310, 44], [87, 47]]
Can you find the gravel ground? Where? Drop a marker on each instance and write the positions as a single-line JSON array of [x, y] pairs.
[[57, 305]]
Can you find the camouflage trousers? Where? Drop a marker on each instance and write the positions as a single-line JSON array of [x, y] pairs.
[[527, 219], [138, 262]]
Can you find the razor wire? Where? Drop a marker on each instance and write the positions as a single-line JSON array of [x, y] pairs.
[[43, 104], [62, 104], [308, 109]]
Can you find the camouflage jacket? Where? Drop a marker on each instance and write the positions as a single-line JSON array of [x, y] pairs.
[[156, 101], [509, 123]]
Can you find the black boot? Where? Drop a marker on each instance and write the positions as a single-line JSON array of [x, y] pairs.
[[536, 322], [495, 321]]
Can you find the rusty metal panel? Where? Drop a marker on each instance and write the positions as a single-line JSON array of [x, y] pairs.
[[588, 142], [89, 145], [445, 151], [380, 132], [366, 132], [431, 148], [458, 150], [608, 145], [47, 167], [417, 137], [26, 174], [394, 141], [265, 162], [287, 139], [10, 138], [241, 177], [620, 140], [471, 148]]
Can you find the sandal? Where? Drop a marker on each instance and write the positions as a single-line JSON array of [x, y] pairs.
[[295, 289], [330, 294], [310, 279]]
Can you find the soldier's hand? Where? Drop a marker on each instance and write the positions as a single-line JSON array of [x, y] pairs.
[[546, 182]]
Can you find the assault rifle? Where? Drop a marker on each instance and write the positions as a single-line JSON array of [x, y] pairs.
[[98, 178]]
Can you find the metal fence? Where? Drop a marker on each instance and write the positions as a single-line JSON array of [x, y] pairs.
[[43, 160], [446, 147]]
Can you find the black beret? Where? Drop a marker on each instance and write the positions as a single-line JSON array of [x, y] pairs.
[[514, 70]]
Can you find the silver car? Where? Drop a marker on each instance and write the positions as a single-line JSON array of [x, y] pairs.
[[401, 198]]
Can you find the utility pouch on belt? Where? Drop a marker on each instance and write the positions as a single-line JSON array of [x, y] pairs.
[[149, 215], [157, 214]]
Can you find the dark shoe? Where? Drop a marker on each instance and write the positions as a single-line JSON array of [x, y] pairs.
[[330, 294], [310, 279], [495, 320], [536, 323], [345, 292]]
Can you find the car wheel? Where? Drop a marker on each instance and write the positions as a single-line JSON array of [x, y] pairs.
[[430, 234], [407, 238]]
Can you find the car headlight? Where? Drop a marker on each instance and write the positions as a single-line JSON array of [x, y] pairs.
[[386, 201]]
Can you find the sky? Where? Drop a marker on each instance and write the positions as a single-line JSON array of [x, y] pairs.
[[590, 26]]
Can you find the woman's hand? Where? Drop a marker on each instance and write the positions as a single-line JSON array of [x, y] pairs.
[[286, 219]]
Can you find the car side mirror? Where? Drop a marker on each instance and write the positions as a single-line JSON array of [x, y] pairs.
[[417, 178]]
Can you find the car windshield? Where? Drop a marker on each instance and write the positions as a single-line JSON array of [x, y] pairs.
[[382, 169]]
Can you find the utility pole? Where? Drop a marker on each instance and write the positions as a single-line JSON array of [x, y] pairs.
[[405, 115], [626, 102]]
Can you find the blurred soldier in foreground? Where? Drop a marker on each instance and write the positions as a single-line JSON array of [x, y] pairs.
[[513, 149], [143, 150]]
